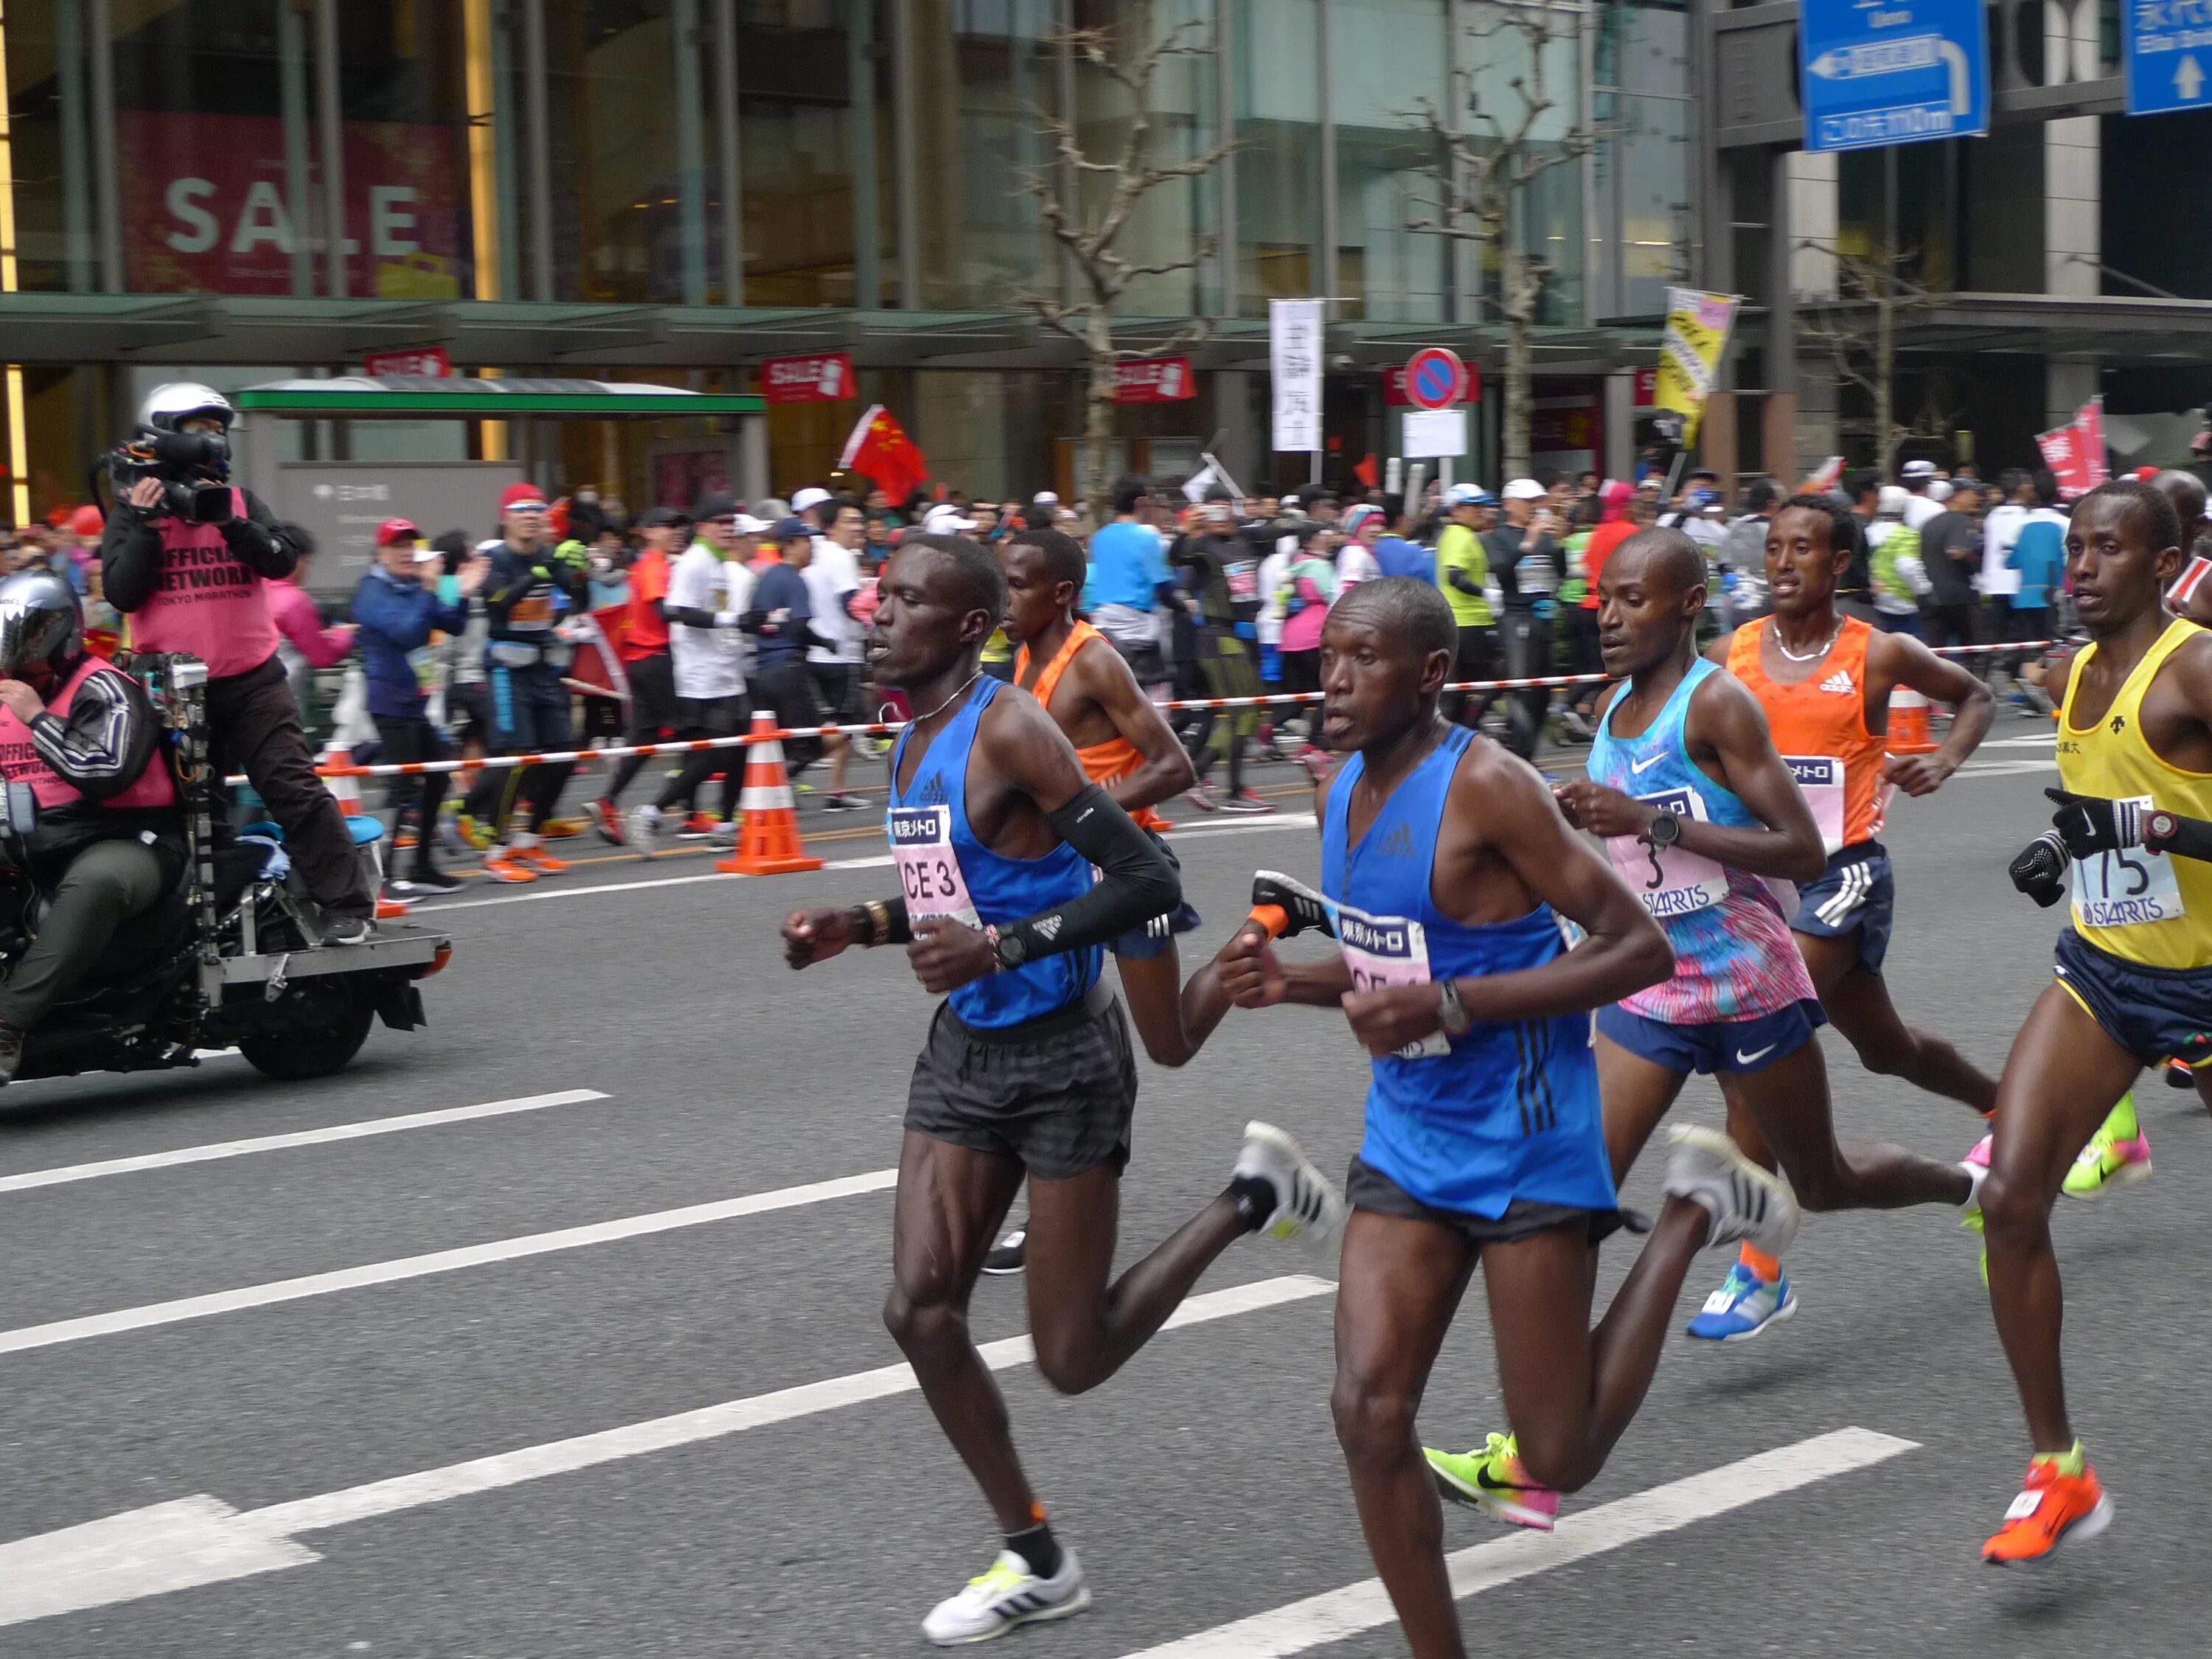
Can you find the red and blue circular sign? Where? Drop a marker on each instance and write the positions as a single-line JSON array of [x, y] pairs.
[[1434, 377]]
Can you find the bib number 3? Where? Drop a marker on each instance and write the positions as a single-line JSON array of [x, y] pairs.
[[929, 869]]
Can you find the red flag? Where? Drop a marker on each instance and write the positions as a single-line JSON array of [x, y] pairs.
[[1367, 472], [880, 448]]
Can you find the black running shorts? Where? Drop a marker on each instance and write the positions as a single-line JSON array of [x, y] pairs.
[[1367, 1188], [1056, 1095]]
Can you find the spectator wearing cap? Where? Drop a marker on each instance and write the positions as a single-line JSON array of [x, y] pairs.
[[1464, 574], [1918, 477], [1899, 578], [647, 663], [397, 610], [527, 594], [303, 643], [781, 621], [1362, 527], [1528, 564]]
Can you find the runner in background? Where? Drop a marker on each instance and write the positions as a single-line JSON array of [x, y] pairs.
[[647, 660], [1464, 577]]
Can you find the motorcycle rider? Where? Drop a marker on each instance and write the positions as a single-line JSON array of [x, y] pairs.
[[109, 843], [198, 588]]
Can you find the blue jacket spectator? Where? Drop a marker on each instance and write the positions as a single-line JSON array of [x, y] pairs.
[[397, 617]]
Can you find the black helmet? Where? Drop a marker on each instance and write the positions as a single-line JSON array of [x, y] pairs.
[[41, 621]]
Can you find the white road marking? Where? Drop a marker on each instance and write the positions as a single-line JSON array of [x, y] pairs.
[[221, 1149], [1336, 1615], [2007, 769], [203, 1541], [140, 1318]]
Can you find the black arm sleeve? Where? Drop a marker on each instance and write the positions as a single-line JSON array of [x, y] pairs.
[[256, 541], [2192, 837], [129, 558], [1457, 575], [689, 615], [1138, 880]]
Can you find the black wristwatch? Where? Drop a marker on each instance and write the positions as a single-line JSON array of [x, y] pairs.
[[1010, 949], [1664, 831]]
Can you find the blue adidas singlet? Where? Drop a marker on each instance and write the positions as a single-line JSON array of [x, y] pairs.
[[1733, 958], [938, 852], [1510, 1110]]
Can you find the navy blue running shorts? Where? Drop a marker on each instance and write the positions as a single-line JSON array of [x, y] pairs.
[[1855, 893], [1156, 936], [2152, 1013], [1720, 1045]]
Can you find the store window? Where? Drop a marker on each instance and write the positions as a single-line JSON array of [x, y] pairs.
[[982, 69], [616, 219], [1278, 81], [1387, 59], [1547, 213], [1640, 169]]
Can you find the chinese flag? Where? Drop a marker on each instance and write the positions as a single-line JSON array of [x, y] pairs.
[[880, 448]]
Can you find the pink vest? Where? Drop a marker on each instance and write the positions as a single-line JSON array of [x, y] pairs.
[[20, 762], [208, 601]]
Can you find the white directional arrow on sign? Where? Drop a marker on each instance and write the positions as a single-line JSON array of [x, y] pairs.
[[2189, 79]]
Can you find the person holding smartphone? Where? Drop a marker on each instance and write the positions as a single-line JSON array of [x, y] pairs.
[[1528, 564]]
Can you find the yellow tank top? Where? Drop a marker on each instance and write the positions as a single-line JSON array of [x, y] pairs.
[[2140, 906]]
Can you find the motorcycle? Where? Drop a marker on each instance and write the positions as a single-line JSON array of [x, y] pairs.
[[231, 959]]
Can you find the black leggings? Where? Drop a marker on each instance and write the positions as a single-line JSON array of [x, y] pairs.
[[403, 739], [1301, 673], [720, 717]]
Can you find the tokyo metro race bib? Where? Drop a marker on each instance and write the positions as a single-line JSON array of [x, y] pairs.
[[929, 870], [1389, 950], [1821, 778], [1686, 881]]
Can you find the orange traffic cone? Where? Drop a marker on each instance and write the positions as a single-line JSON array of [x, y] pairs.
[[769, 845], [1908, 723]]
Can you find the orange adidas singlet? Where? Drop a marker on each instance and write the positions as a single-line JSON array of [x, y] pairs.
[[1819, 726], [1105, 763]]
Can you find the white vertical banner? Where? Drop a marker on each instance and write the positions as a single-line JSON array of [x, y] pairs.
[[1294, 349]]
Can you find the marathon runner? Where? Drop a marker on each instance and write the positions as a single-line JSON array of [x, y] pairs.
[[1450, 867], [1127, 748], [2134, 971], [1823, 678], [1027, 1072], [1695, 807]]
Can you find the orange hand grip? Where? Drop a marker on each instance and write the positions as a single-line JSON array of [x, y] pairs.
[[1273, 918]]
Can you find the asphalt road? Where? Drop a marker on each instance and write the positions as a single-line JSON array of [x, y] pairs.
[[1201, 1486]]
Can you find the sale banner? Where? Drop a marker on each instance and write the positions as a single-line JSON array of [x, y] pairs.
[[823, 377], [1154, 380], [205, 207]]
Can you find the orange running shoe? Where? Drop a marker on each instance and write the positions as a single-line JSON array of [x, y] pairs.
[[2052, 1508], [501, 866], [538, 859]]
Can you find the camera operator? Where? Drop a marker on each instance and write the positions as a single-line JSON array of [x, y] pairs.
[[109, 841], [195, 584]]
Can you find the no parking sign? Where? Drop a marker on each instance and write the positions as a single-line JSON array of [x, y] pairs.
[[1434, 377]]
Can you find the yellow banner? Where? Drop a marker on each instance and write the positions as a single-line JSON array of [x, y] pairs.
[[1690, 353]]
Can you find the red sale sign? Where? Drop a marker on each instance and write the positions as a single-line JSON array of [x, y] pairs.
[[1154, 380], [824, 378], [430, 361], [204, 209], [1646, 392]]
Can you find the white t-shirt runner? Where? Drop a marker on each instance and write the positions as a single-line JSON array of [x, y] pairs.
[[709, 662], [830, 576]]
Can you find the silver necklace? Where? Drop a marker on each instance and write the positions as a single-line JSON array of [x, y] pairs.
[[1810, 656], [950, 700]]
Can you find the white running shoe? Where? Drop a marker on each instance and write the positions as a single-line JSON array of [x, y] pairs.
[[645, 829], [1744, 1201], [1008, 1595], [1307, 1203]]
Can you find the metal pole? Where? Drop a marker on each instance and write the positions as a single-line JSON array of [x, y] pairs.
[[733, 177], [107, 187], [76, 184], [860, 63], [332, 123], [905, 178], [506, 147], [292, 95], [1325, 266], [690, 154], [540, 140], [1225, 172]]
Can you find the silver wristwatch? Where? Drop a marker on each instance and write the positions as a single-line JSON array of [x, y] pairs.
[[1451, 1014]]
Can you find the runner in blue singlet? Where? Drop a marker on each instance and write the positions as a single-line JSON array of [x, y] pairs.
[[1447, 865], [1028, 1071]]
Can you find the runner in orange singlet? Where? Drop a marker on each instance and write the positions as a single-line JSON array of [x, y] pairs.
[[1127, 748], [1825, 679]]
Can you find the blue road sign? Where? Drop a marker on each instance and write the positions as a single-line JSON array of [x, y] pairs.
[[1875, 74], [2167, 46]]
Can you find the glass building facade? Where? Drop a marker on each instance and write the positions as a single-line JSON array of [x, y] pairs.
[[679, 190]]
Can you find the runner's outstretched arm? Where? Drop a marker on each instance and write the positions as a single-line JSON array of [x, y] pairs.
[[1912, 665]]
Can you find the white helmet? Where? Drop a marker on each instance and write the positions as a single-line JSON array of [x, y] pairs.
[[168, 407]]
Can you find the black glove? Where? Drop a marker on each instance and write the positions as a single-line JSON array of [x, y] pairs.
[[2089, 824], [2039, 870], [1305, 909]]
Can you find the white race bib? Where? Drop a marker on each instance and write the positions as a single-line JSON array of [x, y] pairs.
[[1686, 881], [929, 870], [1389, 950], [2131, 887], [1821, 778]]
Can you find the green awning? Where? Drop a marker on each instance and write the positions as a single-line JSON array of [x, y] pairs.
[[428, 396]]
